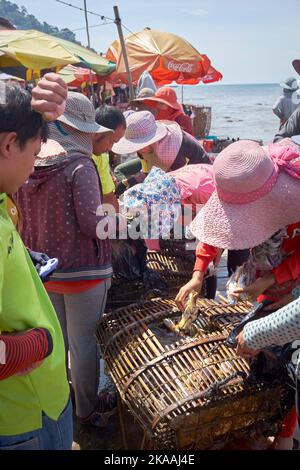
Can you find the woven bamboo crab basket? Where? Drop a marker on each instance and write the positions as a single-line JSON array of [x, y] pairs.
[[191, 391], [163, 273]]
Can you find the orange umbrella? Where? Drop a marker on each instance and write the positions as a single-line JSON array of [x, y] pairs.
[[166, 56], [212, 75]]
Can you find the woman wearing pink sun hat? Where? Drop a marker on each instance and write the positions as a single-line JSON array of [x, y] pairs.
[[257, 193]]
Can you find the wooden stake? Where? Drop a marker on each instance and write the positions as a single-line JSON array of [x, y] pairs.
[[122, 42]]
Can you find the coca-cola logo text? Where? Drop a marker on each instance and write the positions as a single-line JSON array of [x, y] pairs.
[[184, 67]]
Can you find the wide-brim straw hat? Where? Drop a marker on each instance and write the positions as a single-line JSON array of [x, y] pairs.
[[50, 148], [252, 200], [164, 95], [296, 139], [296, 65], [290, 84], [144, 93], [141, 130], [80, 114]]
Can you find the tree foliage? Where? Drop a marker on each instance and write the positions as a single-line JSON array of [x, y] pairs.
[[20, 17]]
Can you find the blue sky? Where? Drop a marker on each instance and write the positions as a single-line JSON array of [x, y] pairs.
[[249, 41]]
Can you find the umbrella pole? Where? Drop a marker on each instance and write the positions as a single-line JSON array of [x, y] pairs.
[[122, 42], [89, 46], [181, 94]]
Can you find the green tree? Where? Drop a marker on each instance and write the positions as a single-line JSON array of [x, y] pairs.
[[20, 17]]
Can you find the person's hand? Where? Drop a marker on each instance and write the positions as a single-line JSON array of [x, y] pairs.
[[242, 349], [38, 259], [49, 96], [285, 299], [121, 187], [194, 284], [258, 287]]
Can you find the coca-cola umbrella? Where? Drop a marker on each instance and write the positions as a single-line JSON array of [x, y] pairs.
[[166, 56], [212, 76]]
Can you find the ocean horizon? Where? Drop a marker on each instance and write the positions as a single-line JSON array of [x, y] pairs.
[[241, 110]]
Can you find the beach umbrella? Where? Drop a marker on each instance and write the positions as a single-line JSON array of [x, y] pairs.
[[77, 76], [212, 76], [35, 50], [166, 56]]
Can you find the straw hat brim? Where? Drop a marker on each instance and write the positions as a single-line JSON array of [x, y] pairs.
[[88, 127], [296, 65], [134, 145], [149, 101], [241, 226], [287, 87], [296, 139]]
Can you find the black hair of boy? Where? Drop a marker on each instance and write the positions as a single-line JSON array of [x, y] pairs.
[[16, 115], [110, 117]]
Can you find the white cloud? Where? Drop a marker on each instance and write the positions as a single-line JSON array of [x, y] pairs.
[[197, 12]]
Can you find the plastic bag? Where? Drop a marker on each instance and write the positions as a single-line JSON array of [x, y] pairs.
[[270, 365], [129, 259]]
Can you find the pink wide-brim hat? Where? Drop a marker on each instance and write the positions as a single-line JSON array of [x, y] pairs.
[[253, 199], [296, 65], [141, 130]]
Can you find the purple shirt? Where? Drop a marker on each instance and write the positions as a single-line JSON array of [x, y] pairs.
[[59, 205]]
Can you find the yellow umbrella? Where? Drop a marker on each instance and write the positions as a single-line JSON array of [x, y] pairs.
[[88, 58], [37, 51]]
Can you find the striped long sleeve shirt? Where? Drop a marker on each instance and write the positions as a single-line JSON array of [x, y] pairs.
[[20, 351]]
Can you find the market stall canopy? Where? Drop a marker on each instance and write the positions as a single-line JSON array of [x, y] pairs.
[[166, 56], [77, 76], [39, 51]]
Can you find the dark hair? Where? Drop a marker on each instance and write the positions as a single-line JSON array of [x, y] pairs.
[[17, 116], [110, 117]]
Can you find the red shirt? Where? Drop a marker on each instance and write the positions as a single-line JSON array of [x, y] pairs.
[[287, 274]]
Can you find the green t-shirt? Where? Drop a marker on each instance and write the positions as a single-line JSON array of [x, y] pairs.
[[24, 304], [102, 164]]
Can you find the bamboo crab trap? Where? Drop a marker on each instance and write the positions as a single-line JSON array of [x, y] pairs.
[[165, 272], [186, 392]]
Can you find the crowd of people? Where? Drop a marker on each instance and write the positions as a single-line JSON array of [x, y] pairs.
[[60, 199]]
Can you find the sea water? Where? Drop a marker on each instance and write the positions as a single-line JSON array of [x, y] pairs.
[[243, 111]]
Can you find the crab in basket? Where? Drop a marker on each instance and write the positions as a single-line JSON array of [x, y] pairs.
[[189, 315]]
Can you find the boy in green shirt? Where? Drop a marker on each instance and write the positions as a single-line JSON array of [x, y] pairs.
[[112, 118], [35, 408]]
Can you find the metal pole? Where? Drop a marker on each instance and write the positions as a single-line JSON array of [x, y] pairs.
[[87, 25], [89, 43], [122, 42]]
